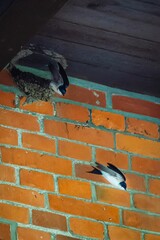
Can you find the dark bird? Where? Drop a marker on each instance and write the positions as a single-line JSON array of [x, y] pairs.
[[111, 173]]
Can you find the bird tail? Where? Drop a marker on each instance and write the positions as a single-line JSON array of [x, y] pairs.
[[95, 171]]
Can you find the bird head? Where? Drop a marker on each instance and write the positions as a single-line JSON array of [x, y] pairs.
[[123, 185]]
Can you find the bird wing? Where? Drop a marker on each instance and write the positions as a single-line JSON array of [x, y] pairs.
[[64, 75], [111, 171], [114, 168]]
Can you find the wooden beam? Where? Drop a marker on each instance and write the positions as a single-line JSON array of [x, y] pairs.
[[20, 21]]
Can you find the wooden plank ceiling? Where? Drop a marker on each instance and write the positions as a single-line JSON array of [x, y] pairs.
[[111, 42]]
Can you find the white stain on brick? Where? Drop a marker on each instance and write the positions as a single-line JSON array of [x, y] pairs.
[[95, 94]]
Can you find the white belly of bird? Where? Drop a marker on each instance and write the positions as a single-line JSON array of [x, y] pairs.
[[114, 181]]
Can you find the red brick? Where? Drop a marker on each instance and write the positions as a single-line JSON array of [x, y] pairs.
[[87, 228], [36, 180], [108, 120], [118, 159], [20, 195], [49, 220], [38, 142], [142, 127], [6, 78], [32, 234], [7, 99], [14, 213], [74, 188], [36, 160], [145, 165], [147, 203], [7, 173], [113, 196], [154, 186], [8, 136], [18, 120], [38, 107], [83, 134], [138, 145], [134, 105], [135, 182], [152, 237], [82, 170], [85, 209], [74, 150], [120, 233], [84, 95], [141, 221], [62, 237], [5, 231], [73, 112]]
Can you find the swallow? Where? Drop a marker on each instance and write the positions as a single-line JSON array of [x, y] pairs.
[[112, 174], [59, 81]]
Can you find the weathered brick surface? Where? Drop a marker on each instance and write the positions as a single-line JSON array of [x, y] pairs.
[[144, 202], [119, 233], [7, 99], [73, 112], [86, 209], [74, 188], [5, 231], [7, 173], [152, 237], [32, 234], [108, 120], [154, 186], [87, 228], [6, 79], [8, 136]]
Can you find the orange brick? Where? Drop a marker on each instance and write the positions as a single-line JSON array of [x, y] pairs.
[[25, 196], [38, 107], [145, 165], [18, 120], [118, 159], [152, 237], [113, 196], [74, 188], [5, 231], [141, 221], [138, 145], [8, 136], [84, 95], [6, 78], [142, 127], [36, 160], [74, 150], [135, 182], [83, 134], [7, 99], [108, 120], [7, 173], [134, 105], [32, 234], [154, 186], [86, 209], [87, 228], [38, 142], [150, 204], [14, 213], [73, 112], [49, 220], [36, 180], [62, 237], [119, 233], [82, 170]]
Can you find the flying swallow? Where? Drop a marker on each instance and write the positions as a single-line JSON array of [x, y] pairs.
[[111, 173]]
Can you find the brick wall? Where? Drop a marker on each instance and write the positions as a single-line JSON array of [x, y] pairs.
[[46, 151]]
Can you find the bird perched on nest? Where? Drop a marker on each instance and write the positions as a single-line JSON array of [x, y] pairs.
[[111, 173], [37, 88]]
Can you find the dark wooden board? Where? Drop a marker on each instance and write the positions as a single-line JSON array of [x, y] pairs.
[[102, 58], [21, 21], [102, 39], [110, 22]]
